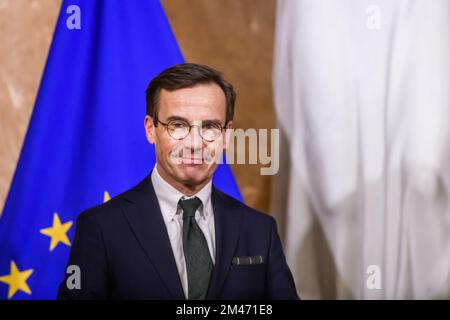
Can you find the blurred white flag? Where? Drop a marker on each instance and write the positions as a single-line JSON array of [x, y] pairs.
[[362, 101]]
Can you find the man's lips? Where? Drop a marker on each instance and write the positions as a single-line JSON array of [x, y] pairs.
[[193, 160]]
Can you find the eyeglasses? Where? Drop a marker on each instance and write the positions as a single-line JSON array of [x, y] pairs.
[[180, 129]]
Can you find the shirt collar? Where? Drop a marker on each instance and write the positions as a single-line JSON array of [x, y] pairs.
[[169, 196]]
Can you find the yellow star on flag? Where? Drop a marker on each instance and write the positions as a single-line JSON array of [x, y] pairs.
[[106, 197], [17, 280], [57, 232]]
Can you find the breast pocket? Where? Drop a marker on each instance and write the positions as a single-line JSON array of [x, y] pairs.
[[246, 281]]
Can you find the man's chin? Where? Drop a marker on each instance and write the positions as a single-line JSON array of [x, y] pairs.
[[193, 173]]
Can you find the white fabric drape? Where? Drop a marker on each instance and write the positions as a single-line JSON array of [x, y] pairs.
[[361, 92]]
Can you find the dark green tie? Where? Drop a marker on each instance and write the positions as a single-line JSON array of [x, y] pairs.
[[196, 253]]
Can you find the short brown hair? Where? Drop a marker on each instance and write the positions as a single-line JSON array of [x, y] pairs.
[[187, 75]]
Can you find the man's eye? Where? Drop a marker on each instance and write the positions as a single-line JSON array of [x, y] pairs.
[[208, 126], [178, 124]]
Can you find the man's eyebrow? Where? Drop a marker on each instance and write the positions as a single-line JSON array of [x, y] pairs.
[[212, 121], [171, 118]]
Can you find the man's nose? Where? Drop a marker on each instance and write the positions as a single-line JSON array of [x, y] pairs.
[[194, 139]]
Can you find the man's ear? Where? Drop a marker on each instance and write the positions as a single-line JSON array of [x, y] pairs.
[[150, 129], [228, 134]]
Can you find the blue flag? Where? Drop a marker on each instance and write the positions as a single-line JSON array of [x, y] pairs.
[[86, 141]]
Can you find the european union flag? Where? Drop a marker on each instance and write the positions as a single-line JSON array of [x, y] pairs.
[[86, 140]]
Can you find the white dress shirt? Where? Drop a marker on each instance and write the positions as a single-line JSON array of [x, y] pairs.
[[168, 198]]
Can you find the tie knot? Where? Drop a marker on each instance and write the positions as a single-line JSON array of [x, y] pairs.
[[189, 206]]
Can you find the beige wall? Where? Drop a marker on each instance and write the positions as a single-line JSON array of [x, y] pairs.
[[234, 36], [26, 29]]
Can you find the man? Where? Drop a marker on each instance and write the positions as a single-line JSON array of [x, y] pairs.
[[174, 235]]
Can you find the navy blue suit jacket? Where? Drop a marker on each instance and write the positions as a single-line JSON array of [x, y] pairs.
[[123, 250]]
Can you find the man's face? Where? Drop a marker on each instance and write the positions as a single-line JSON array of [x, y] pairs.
[[188, 161]]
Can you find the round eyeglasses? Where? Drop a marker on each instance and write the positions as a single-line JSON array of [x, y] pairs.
[[180, 129]]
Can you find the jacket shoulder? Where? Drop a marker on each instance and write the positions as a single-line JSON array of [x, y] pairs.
[[108, 209], [247, 211]]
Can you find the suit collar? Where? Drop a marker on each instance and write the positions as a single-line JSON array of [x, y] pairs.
[[227, 220], [145, 218], [146, 221]]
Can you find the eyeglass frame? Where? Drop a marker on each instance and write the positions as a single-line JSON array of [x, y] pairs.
[[166, 125]]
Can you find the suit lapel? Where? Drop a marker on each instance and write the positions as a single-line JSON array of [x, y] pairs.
[[146, 221], [227, 221]]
